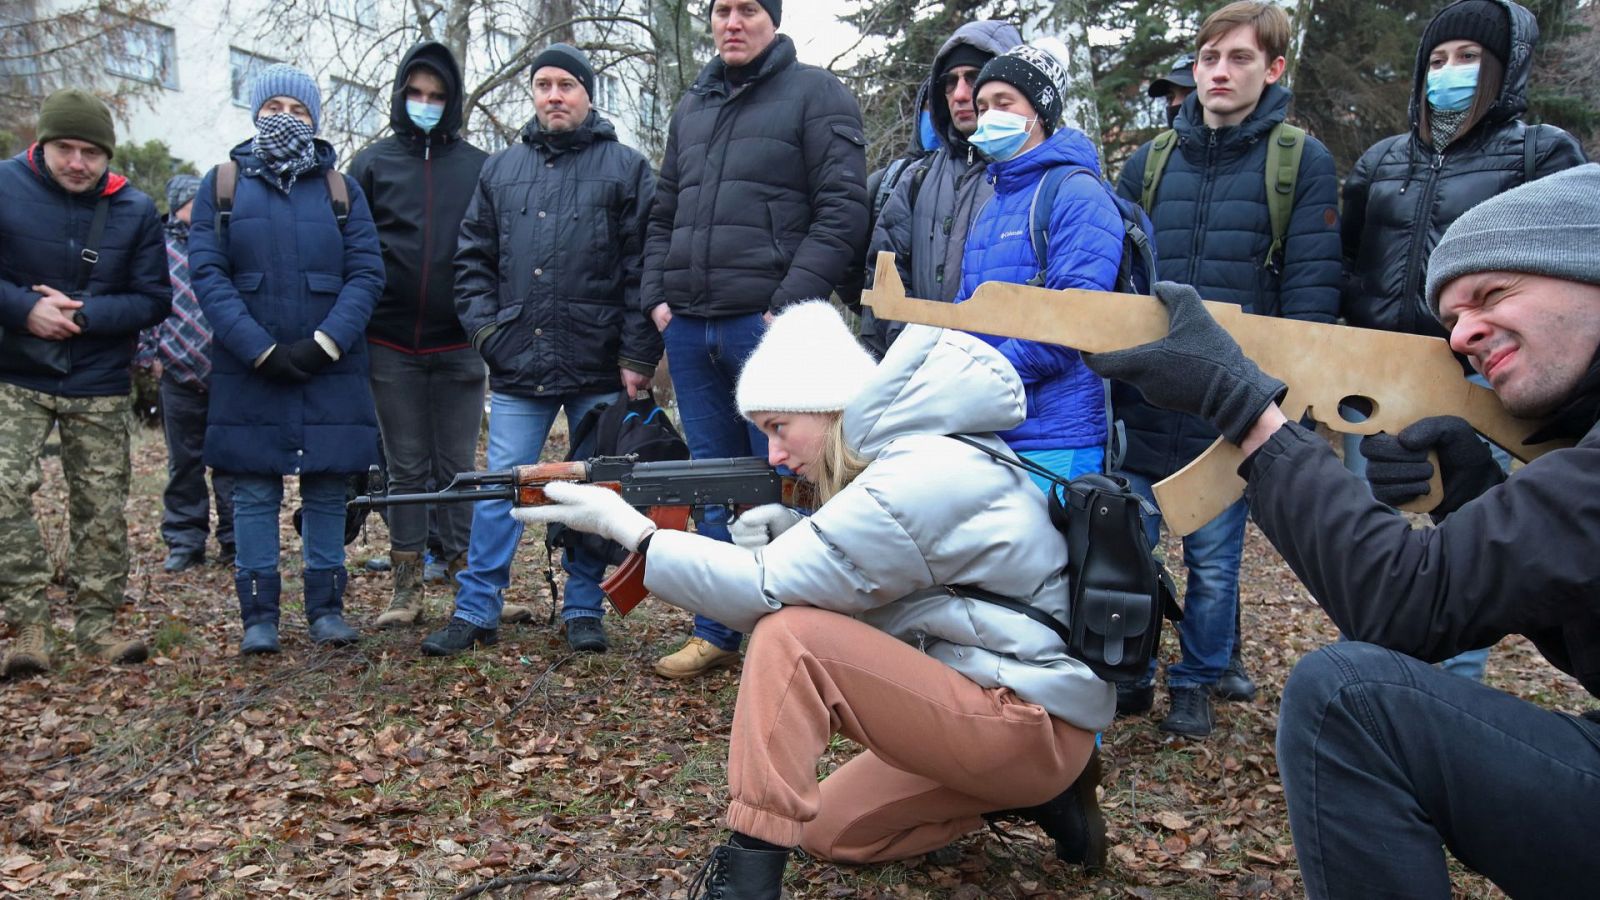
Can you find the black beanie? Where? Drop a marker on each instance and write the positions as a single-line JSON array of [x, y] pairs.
[[774, 9], [1034, 72], [962, 55], [1484, 22], [79, 115], [569, 58]]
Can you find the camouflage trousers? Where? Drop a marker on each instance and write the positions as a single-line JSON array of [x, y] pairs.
[[94, 456]]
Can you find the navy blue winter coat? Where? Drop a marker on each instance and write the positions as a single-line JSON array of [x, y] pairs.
[[1212, 231], [285, 272], [1066, 405], [42, 231]]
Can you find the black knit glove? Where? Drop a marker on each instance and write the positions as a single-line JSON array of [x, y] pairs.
[[279, 366], [308, 356], [1399, 470], [1197, 368]]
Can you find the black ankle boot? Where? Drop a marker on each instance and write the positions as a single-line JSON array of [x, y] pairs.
[[1072, 819], [258, 609], [734, 873], [325, 607]]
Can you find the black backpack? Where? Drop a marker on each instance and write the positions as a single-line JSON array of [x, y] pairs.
[[1120, 591], [636, 428]]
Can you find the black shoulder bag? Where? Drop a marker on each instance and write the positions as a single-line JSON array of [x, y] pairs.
[[1120, 592], [27, 354]]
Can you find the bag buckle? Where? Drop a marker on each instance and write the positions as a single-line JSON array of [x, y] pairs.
[[90, 256]]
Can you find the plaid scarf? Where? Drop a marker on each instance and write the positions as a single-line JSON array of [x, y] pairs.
[[286, 147]]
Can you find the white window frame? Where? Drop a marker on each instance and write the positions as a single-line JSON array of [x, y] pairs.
[[140, 50]]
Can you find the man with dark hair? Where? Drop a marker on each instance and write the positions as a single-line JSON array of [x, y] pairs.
[[82, 271], [1387, 761], [1218, 228], [762, 203]]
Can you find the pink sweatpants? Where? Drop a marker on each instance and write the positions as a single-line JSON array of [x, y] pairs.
[[941, 750]]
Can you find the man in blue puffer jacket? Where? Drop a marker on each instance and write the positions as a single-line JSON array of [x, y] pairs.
[[1020, 131], [1213, 231]]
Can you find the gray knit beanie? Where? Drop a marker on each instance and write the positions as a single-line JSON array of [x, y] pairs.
[[284, 80], [1546, 227]]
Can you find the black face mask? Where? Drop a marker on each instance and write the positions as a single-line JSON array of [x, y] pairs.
[[1172, 114]]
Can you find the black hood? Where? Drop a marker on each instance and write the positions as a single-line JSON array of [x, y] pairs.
[[441, 62], [1513, 99], [993, 38]]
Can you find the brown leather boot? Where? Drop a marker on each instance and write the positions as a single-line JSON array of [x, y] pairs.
[[29, 653], [405, 608]]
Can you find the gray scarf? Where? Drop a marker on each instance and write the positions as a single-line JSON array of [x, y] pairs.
[[1443, 125]]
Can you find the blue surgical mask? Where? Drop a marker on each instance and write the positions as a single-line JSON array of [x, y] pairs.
[[425, 115], [1001, 134], [1452, 87], [928, 134]]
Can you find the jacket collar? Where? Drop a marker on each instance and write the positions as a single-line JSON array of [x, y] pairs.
[[593, 129], [110, 182], [779, 56], [1579, 415], [1272, 109]]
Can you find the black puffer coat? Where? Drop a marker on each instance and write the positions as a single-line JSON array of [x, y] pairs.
[[547, 270], [1401, 196], [418, 185], [763, 198]]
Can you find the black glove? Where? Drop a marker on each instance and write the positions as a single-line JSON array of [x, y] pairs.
[[1197, 368], [1399, 470], [279, 366], [308, 356]]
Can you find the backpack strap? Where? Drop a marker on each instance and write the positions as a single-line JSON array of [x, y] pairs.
[[1155, 162], [226, 184], [1530, 153], [1285, 145], [339, 196], [886, 183], [1039, 211]]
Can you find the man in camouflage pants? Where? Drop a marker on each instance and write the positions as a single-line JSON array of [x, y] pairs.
[[82, 270]]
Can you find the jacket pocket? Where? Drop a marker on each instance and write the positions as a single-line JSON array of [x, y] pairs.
[[322, 292], [505, 350], [850, 133]]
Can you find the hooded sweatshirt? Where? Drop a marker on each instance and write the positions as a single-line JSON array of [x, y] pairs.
[[927, 512], [419, 184]]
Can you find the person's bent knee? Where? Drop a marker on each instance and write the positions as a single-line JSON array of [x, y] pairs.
[[800, 622]]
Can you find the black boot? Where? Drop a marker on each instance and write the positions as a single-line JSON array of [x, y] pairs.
[[1235, 683], [1190, 714], [1072, 819], [258, 609], [734, 873], [325, 607]]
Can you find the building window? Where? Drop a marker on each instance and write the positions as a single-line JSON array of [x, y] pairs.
[[242, 69], [607, 91], [361, 12], [142, 51], [353, 108], [502, 46]]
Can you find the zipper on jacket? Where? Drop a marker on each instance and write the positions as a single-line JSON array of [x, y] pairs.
[[1419, 232], [427, 245], [1202, 206]]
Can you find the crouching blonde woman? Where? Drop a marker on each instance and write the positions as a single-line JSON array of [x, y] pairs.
[[965, 708]]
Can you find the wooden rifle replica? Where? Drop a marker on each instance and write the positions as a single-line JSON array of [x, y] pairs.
[[1397, 378], [665, 491]]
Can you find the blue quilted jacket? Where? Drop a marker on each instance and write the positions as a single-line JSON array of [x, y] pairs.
[[1066, 408]]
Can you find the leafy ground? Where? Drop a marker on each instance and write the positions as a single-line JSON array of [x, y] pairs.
[[376, 771]]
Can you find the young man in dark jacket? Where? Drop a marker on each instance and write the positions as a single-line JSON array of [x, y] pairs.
[[427, 379], [547, 288], [1213, 231], [1385, 759], [762, 203], [73, 297]]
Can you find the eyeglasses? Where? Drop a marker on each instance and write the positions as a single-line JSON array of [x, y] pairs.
[[955, 79]]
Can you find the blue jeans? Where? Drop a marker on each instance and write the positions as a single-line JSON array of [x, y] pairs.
[[1210, 627], [706, 355], [257, 500], [517, 429], [1386, 761]]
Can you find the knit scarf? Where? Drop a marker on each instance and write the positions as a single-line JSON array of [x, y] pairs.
[[1443, 125], [286, 146]]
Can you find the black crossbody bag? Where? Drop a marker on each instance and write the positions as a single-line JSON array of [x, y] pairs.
[[27, 354], [1120, 592]]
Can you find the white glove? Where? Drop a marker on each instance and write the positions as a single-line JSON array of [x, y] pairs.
[[591, 509], [761, 526]]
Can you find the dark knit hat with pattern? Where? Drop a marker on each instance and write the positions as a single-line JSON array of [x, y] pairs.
[[78, 115], [1036, 73], [570, 59], [1484, 22], [774, 9]]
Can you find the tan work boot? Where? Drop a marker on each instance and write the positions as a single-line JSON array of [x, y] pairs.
[[105, 647], [29, 653], [405, 608], [514, 613], [696, 657]]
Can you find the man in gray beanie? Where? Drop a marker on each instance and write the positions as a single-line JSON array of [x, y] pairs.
[[1385, 759]]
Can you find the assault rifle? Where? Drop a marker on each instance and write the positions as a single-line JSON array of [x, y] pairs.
[[665, 491]]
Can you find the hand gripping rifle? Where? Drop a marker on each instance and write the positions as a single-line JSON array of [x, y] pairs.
[[665, 491], [1400, 378]]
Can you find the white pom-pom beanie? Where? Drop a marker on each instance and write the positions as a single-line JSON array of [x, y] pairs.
[[808, 361]]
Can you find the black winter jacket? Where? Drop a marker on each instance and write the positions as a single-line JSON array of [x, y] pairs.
[[1401, 196], [1212, 231], [547, 271], [43, 228], [1523, 558], [418, 185], [763, 198]]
